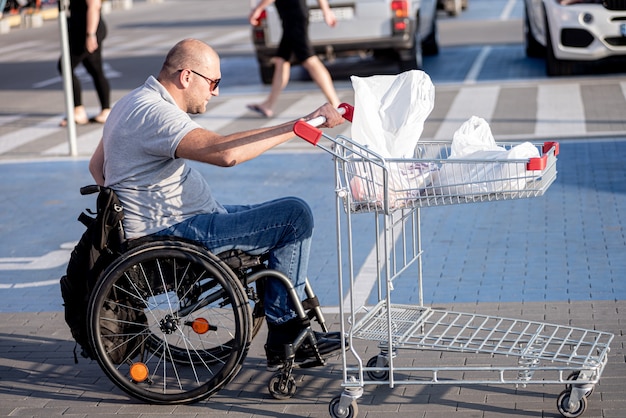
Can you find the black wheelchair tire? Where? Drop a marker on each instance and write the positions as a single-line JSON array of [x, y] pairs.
[[167, 284]]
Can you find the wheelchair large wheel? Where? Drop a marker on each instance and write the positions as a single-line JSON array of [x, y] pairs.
[[254, 291], [169, 323], [209, 355]]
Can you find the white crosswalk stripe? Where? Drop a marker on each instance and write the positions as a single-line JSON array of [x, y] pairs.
[[225, 112], [557, 110], [471, 101], [86, 144], [554, 108], [560, 110], [122, 44], [560, 113], [14, 140], [117, 46]]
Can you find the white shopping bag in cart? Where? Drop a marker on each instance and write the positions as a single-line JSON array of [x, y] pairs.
[[478, 166], [390, 110], [389, 116], [473, 135]]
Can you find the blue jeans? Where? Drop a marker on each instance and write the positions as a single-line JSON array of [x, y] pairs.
[[282, 227]]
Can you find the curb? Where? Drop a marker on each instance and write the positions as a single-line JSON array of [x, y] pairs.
[[28, 19], [33, 19]]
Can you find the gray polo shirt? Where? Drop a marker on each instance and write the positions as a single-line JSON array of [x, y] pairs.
[[140, 138]]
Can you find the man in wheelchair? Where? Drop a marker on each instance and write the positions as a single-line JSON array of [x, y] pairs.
[[142, 156]]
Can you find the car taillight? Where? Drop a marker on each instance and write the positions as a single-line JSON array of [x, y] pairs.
[[258, 30], [400, 8], [400, 21], [400, 26]]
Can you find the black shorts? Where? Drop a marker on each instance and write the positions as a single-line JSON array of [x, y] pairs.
[[294, 15]]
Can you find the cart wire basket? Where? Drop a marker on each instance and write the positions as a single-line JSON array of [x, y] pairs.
[[393, 191]]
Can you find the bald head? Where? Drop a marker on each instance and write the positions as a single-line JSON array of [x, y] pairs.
[[188, 53], [190, 74]]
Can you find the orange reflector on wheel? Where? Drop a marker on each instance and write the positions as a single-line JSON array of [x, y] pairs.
[[200, 325], [139, 372]]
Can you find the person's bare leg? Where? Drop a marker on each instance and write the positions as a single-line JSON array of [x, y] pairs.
[[319, 73], [280, 79]]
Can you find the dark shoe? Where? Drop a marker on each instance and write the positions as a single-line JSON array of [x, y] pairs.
[[266, 113], [305, 355], [277, 337], [281, 335], [327, 343]]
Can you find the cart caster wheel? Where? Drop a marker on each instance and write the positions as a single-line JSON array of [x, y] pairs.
[[382, 375], [567, 410], [335, 411], [282, 391], [574, 376]]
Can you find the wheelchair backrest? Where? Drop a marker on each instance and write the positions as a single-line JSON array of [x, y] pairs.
[[109, 215]]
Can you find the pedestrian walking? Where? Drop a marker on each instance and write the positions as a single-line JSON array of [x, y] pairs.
[[86, 31], [294, 15]]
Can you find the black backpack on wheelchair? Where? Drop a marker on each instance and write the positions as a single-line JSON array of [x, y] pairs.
[[99, 245]]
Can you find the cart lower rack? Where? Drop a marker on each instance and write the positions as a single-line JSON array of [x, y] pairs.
[[394, 191], [557, 350]]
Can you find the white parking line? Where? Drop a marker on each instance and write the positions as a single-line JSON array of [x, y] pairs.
[[53, 259], [623, 86], [477, 66], [507, 10]]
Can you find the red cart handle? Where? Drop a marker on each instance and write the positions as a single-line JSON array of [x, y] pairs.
[[540, 163], [308, 130]]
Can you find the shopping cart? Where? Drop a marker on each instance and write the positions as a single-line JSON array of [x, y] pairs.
[[393, 191]]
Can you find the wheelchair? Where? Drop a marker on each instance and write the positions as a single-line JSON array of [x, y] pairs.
[[171, 323]]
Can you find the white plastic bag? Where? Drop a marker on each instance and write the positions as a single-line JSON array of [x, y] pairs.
[[407, 182], [473, 135], [469, 170], [390, 110], [389, 116]]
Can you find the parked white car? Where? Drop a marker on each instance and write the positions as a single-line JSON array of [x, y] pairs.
[[572, 33], [403, 29]]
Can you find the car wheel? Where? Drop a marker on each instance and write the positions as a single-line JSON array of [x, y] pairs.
[[411, 59], [555, 66], [430, 44], [533, 48]]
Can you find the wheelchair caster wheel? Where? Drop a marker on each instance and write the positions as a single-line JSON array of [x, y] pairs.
[[282, 388], [336, 411], [568, 410]]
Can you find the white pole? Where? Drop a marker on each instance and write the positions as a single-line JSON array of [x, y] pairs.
[[66, 70]]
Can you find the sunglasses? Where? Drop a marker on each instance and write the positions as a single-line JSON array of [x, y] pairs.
[[213, 84]]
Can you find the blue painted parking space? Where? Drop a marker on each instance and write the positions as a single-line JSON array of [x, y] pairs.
[[565, 246]]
